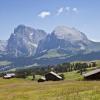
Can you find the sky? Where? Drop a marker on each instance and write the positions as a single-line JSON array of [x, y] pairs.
[[83, 15]]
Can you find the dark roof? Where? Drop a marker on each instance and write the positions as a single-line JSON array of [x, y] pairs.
[[91, 73], [53, 73]]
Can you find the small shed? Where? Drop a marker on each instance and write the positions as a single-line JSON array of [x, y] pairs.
[[52, 76], [92, 75], [42, 79]]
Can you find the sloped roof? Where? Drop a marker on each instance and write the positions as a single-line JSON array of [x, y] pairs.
[[43, 78], [53, 73], [9, 75], [91, 72]]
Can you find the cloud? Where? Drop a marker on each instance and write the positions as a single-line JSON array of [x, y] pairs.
[[44, 14], [75, 10], [67, 9], [60, 11]]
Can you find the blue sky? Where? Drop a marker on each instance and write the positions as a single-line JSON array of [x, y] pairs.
[[47, 14]]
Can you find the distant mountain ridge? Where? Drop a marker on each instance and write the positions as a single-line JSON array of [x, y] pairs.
[[63, 43]]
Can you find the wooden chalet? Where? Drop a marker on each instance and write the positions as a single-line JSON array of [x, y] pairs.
[[92, 75], [52, 76]]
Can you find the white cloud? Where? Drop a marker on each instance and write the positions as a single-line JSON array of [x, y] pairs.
[[60, 11], [44, 14], [75, 10], [67, 9]]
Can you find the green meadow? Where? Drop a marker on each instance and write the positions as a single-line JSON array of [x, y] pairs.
[[72, 88]]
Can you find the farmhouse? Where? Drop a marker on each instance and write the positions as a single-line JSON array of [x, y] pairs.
[[52, 76], [9, 75], [92, 75]]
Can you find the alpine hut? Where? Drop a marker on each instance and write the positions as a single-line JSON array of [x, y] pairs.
[[52, 76], [42, 79], [92, 75]]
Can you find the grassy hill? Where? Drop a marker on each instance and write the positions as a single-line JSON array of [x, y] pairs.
[[72, 88]]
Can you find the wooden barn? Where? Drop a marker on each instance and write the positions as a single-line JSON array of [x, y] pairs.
[[92, 75], [52, 76]]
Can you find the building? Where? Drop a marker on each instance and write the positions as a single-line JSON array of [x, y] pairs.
[[9, 75], [92, 75], [42, 79], [52, 76]]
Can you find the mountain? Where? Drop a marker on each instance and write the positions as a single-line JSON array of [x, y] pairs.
[[24, 41], [65, 42], [31, 47], [3, 45], [62, 42]]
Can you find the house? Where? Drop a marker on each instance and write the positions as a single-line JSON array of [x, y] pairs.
[[92, 75], [42, 79], [52, 76], [9, 75]]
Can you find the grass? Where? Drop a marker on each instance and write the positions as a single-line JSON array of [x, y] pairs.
[[69, 89], [20, 89], [72, 88], [36, 77], [98, 62], [73, 76], [52, 54]]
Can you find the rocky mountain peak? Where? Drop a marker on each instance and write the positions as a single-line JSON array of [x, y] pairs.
[[67, 33], [24, 41]]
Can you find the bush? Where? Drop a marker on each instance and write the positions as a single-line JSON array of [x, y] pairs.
[[62, 75]]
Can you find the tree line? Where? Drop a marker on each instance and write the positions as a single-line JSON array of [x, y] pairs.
[[60, 68]]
